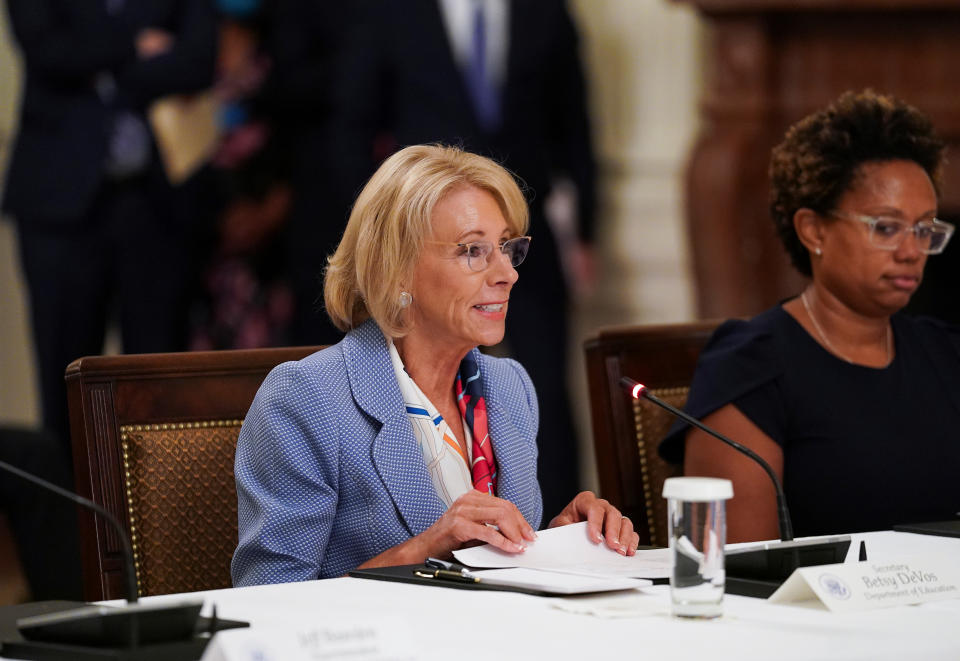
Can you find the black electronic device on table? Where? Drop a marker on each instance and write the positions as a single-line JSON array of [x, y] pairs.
[[949, 528], [56, 630], [95, 624], [777, 560], [757, 571], [760, 570], [75, 631]]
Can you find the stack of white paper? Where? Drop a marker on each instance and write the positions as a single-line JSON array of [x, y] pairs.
[[569, 549]]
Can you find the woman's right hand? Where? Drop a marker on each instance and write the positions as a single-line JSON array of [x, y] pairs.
[[479, 517], [473, 517]]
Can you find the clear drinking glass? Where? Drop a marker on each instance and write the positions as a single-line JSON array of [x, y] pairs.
[[697, 528]]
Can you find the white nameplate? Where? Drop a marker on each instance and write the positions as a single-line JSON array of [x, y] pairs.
[[383, 639], [853, 586]]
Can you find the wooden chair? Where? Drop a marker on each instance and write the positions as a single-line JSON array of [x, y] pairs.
[[154, 437], [626, 432]]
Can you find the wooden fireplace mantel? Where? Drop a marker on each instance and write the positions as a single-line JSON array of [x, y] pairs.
[[768, 63]]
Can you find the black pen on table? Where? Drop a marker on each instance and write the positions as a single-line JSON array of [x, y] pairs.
[[435, 570], [436, 563], [445, 570]]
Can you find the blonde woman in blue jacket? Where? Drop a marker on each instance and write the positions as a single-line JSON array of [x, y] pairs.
[[403, 441]]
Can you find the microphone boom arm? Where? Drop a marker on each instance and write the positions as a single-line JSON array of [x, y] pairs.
[[80, 500], [638, 390]]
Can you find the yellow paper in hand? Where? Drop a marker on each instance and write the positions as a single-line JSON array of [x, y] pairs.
[[186, 130]]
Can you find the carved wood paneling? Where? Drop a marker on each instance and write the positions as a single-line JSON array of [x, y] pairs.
[[767, 64]]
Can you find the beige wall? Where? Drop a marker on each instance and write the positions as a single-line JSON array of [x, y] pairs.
[[18, 398], [641, 58], [642, 64]]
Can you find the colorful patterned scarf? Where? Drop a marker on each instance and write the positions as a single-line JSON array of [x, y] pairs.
[[446, 462], [473, 408]]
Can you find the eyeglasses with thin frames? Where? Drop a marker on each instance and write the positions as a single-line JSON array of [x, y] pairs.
[[886, 233], [477, 253]]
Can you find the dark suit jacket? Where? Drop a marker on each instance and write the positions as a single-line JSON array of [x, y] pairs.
[[399, 76], [305, 40], [57, 160]]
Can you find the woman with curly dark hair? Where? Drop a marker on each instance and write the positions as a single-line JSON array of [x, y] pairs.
[[855, 406]]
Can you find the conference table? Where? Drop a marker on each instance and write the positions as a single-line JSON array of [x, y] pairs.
[[443, 623]]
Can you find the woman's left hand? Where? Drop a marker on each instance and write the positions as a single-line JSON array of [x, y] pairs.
[[600, 515]]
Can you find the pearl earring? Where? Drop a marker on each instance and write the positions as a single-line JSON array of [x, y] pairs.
[[817, 251], [405, 299]]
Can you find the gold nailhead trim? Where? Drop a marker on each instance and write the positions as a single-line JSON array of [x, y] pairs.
[[641, 449]]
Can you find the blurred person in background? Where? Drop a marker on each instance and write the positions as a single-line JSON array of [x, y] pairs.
[[100, 227], [43, 524], [245, 299], [501, 78], [307, 38]]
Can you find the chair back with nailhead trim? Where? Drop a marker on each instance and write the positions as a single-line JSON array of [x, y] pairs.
[[154, 437], [627, 431]]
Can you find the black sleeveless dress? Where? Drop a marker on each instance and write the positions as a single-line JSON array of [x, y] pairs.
[[864, 448]]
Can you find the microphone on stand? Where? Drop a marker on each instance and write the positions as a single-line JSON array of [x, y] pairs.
[[82, 631], [772, 563], [638, 390], [130, 575]]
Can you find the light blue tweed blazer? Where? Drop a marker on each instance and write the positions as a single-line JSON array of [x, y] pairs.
[[329, 473]]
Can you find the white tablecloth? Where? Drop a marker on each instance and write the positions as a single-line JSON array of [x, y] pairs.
[[527, 627]]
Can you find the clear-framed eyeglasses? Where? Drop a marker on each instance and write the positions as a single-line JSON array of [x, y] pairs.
[[886, 233], [477, 253]]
